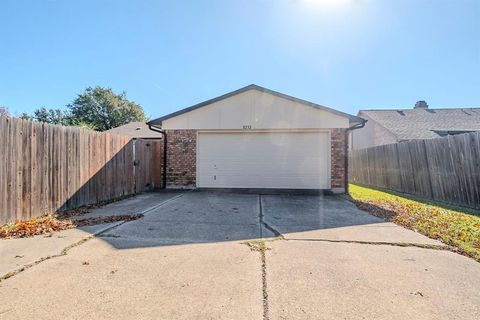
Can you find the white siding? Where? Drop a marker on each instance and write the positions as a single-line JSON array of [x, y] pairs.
[[257, 109]]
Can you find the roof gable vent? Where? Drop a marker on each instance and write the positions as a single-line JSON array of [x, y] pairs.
[[421, 105]]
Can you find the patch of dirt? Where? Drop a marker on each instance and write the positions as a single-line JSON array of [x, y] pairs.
[[88, 208], [259, 246], [377, 211], [107, 219]]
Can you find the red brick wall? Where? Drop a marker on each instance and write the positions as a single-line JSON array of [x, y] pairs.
[[181, 158], [338, 157]]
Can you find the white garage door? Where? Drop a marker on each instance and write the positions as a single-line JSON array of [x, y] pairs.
[[286, 160]]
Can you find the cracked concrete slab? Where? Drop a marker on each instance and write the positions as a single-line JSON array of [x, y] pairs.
[[211, 207], [136, 234], [334, 218], [187, 258], [96, 281], [133, 205], [17, 253], [380, 232], [320, 280], [194, 218]]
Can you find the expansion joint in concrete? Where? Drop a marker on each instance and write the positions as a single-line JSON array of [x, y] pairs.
[[264, 285], [62, 253], [261, 248], [263, 223], [382, 243], [80, 242]]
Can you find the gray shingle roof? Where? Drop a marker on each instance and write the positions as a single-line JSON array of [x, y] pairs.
[[409, 124], [136, 130]]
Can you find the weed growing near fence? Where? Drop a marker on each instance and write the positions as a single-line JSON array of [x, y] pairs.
[[456, 226]]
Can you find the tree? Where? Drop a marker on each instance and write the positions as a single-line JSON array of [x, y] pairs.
[[96, 108], [104, 109], [83, 125], [25, 116], [41, 115], [53, 116], [4, 112]]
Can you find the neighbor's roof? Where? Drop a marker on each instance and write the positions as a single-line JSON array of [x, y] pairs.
[[409, 124], [353, 119], [136, 130]]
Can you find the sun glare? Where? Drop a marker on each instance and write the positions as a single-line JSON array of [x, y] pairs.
[[325, 3]]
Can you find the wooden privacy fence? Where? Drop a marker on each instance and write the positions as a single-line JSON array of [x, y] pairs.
[[443, 169], [49, 168]]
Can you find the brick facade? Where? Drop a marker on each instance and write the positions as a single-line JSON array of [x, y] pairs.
[[181, 158], [182, 153], [338, 140]]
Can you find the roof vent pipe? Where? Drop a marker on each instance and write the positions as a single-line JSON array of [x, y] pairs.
[[421, 105]]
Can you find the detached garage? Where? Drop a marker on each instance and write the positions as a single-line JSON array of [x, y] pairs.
[[256, 138]]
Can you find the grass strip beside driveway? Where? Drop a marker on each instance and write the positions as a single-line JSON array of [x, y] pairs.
[[455, 226]]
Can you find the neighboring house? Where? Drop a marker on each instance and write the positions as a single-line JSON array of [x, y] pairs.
[[421, 122], [137, 130], [257, 138]]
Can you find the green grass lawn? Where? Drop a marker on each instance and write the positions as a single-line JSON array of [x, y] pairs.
[[455, 226]]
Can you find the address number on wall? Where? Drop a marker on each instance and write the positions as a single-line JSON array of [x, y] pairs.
[[247, 127]]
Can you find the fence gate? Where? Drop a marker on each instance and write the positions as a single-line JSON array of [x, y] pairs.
[[49, 168], [148, 164]]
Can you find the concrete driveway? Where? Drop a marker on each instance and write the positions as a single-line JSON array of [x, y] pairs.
[[205, 255]]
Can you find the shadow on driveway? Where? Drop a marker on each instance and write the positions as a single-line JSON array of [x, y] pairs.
[[206, 216]]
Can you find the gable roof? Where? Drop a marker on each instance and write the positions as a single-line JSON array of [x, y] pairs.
[[408, 124], [352, 118], [138, 130]]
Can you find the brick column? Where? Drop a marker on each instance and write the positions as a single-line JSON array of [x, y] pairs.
[[181, 158]]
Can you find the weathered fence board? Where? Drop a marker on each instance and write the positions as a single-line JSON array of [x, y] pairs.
[[148, 167], [443, 169], [49, 168]]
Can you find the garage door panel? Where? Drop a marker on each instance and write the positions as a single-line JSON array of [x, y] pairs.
[[270, 146], [244, 181], [265, 168], [297, 160]]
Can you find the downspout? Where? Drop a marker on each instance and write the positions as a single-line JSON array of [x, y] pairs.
[[354, 127], [164, 133]]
